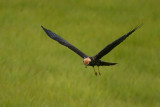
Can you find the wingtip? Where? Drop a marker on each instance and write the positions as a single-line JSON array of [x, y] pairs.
[[42, 26], [139, 26]]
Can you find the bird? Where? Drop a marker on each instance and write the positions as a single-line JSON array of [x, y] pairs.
[[91, 60]]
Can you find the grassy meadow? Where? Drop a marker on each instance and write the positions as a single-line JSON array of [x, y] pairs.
[[36, 71]]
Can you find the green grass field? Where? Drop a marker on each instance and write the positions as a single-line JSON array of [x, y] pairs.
[[37, 71]]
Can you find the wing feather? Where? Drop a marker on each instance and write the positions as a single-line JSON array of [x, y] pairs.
[[64, 42], [109, 47]]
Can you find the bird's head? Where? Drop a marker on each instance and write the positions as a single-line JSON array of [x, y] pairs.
[[86, 61]]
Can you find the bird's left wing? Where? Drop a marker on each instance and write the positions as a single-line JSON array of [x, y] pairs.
[[64, 42], [109, 47]]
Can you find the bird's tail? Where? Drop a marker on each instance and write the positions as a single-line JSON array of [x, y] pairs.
[[107, 63]]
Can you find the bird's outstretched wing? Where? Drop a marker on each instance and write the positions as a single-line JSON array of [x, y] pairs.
[[64, 42], [109, 47]]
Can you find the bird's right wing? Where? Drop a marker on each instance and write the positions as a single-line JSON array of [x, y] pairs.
[[109, 47], [64, 42]]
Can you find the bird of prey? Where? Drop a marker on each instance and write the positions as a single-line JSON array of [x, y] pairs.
[[94, 60]]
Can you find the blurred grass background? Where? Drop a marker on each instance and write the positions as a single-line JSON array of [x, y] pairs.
[[37, 71]]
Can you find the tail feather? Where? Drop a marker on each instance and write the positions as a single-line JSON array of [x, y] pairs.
[[107, 63]]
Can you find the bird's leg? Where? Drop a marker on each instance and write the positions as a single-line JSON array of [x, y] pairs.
[[99, 71], [95, 71]]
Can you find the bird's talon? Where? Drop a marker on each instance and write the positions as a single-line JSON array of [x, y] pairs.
[[99, 71], [96, 73]]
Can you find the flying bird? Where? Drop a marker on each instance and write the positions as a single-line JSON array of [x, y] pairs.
[[94, 60]]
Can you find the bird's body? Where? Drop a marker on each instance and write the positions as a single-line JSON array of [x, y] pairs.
[[90, 61], [87, 60]]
